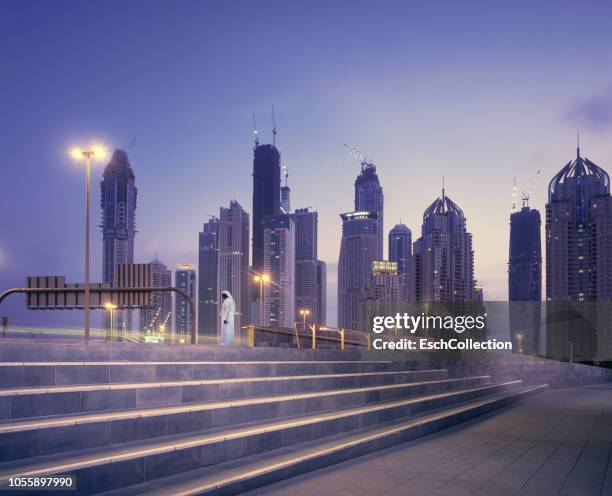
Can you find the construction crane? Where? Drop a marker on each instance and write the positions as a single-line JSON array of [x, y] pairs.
[[131, 148], [514, 195], [286, 174], [527, 195], [357, 155], [273, 126], [255, 131]]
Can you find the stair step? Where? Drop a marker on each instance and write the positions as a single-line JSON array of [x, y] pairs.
[[28, 438], [253, 472], [31, 374], [20, 403], [130, 463]]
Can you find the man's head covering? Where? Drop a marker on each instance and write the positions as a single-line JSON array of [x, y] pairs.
[[228, 294]]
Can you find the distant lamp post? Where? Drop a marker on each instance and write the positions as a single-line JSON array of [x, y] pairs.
[[110, 307], [519, 337], [76, 153], [261, 279], [304, 312]]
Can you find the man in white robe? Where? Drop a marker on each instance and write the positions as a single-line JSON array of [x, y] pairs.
[[228, 310]]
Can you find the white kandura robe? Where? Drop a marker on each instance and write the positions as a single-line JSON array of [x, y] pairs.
[[228, 309]]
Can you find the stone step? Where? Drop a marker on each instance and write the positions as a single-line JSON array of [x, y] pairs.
[[257, 471], [53, 351], [23, 403], [119, 466], [29, 438], [32, 374]]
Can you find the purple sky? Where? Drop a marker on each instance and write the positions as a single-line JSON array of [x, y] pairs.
[[476, 91]]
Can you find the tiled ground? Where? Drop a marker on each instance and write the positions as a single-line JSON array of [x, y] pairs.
[[559, 442]]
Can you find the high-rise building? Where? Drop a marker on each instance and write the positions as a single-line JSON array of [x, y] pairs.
[[266, 195], [358, 249], [579, 263], [443, 260], [369, 198], [118, 208], [185, 279], [400, 252], [385, 292], [279, 265], [208, 293], [309, 271], [575, 268], [157, 319], [525, 262], [322, 292], [233, 265]]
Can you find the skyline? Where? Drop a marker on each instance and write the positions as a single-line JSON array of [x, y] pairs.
[[501, 109]]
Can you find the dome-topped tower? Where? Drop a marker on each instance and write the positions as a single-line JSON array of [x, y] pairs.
[[579, 178]]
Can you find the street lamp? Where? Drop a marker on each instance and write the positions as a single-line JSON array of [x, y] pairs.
[[110, 307], [261, 279], [304, 312], [78, 154]]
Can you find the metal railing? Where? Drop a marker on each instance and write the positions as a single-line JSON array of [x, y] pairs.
[[313, 332]]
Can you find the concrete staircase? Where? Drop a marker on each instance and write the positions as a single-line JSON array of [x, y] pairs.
[[201, 420]]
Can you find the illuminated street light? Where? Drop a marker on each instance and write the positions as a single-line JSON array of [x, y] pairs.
[[304, 312], [110, 307], [261, 279], [78, 154]]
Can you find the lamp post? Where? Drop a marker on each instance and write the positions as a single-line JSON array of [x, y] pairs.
[[78, 154], [261, 279], [304, 312], [110, 307]]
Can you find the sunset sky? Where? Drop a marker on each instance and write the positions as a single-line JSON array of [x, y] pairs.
[[478, 92]]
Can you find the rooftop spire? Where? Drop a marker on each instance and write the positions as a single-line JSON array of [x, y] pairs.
[[578, 147], [443, 193]]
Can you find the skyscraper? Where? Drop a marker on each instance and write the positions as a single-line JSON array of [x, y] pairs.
[[158, 318], [266, 195], [369, 198], [322, 292], [208, 293], [525, 262], [384, 294], [400, 252], [575, 268], [443, 261], [358, 249], [579, 263], [118, 208], [309, 271], [185, 279], [233, 265], [279, 264]]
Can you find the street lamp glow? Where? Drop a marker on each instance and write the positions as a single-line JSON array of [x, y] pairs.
[[110, 306], [304, 311]]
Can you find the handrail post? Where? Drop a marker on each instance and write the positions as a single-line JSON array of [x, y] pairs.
[[342, 339], [251, 336], [297, 336], [369, 342], [314, 336]]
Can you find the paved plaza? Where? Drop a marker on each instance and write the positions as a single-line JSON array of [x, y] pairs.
[[558, 442]]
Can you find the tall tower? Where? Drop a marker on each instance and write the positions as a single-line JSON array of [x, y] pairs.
[[309, 271], [572, 269], [266, 195], [118, 208], [207, 283], [157, 319], [185, 279], [525, 262], [233, 265], [369, 198], [358, 249], [579, 263], [279, 264], [443, 256], [400, 252]]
